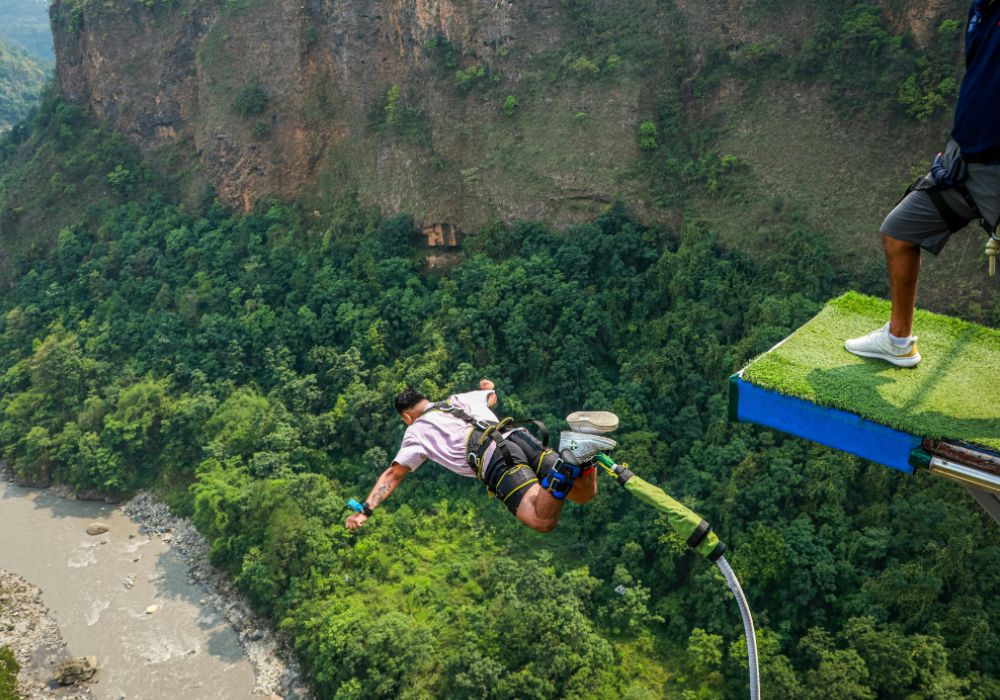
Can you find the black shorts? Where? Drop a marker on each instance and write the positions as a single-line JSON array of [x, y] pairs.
[[510, 483]]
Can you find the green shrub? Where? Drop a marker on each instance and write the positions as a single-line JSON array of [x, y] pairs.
[[647, 136], [399, 118], [392, 106], [251, 100], [121, 179], [8, 674], [584, 66], [261, 130], [441, 49], [465, 79], [310, 35], [509, 105]]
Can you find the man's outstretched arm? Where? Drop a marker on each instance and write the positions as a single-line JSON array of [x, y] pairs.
[[385, 485]]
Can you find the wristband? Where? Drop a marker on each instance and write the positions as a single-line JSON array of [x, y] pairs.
[[357, 507]]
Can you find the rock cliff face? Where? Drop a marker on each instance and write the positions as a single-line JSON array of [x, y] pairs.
[[447, 109], [321, 72]]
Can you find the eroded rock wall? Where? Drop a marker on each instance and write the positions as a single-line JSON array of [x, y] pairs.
[[170, 77]]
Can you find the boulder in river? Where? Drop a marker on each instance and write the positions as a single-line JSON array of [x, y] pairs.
[[76, 670], [97, 529]]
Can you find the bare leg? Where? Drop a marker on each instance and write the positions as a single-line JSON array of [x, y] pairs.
[[539, 510], [903, 262]]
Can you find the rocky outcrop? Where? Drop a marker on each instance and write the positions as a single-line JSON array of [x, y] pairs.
[[76, 670], [172, 77], [460, 112], [920, 19]]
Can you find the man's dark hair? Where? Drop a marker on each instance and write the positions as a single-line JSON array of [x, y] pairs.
[[407, 399]]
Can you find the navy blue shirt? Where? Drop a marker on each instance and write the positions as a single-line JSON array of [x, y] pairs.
[[977, 116]]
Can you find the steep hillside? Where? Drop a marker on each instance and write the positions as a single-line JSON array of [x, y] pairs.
[[21, 81], [407, 103], [759, 116]]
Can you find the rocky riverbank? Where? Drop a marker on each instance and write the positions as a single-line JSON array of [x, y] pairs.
[[275, 670], [34, 637]]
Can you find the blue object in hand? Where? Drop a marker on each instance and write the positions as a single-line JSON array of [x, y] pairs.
[[954, 174], [939, 172], [355, 506]]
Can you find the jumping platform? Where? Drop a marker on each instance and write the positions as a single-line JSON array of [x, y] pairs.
[[942, 416]]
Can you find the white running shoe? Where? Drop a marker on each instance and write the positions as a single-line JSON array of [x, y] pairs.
[[592, 422], [580, 448], [879, 345]]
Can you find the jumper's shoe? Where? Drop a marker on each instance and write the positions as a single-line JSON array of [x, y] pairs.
[[592, 422], [879, 345], [581, 448]]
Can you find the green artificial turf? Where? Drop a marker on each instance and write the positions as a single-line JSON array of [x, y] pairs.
[[954, 393]]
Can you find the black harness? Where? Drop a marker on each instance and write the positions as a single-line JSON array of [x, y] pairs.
[[952, 218], [484, 432], [952, 178]]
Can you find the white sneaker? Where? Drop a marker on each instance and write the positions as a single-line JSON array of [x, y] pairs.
[[879, 345], [580, 448], [592, 422]]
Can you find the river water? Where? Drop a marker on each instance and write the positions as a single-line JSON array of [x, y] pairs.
[[98, 589]]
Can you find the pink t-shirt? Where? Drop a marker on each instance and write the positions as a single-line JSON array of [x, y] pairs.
[[441, 437]]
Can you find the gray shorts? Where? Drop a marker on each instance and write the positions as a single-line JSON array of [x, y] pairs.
[[917, 220]]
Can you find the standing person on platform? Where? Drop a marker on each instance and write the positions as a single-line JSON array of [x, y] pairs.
[[962, 186]]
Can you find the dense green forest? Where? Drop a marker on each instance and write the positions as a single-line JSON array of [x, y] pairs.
[[244, 368], [22, 79]]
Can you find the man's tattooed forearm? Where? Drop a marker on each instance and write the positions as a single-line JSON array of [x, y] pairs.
[[383, 487], [381, 492]]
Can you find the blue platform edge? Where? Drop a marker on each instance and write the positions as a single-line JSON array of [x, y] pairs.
[[828, 426]]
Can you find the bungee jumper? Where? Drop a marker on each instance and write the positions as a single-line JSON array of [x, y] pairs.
[[463, 435], [962, 186]]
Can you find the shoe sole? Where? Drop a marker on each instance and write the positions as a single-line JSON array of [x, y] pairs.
[[911, 361], [598, 421]]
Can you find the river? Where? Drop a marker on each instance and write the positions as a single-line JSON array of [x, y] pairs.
[[98, 590]]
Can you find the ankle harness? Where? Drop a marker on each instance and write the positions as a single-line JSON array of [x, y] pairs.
[[560, 478]]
